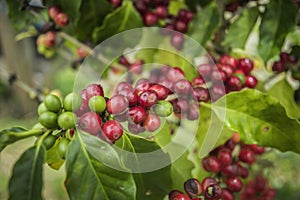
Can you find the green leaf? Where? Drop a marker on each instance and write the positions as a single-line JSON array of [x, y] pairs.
[[27, 178], [19, 19], [13, 134], [285, 94], [72, 9], [240, 29], [259, 118], [92, 14], [278, 20], [192, 4], [175, 6], [205, 23], [88, 178], [124, 18], [53, 159], [153, 184]]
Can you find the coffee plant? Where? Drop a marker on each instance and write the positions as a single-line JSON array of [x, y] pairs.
[[173, 99]]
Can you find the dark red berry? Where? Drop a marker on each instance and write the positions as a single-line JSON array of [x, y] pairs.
[[84, 107], [117, 104], [230, 144], [250, 81], [198, 81], [148, 98], [218, 75], [234, 184], [182, 87], [161, 11], [92, 90], [142, 85], [123, 61], [233, 83], [137, 114], [211, 164], [204, 70], [260, 183], [217, 91], [181, 197], [81, 52], [284, 57], [135, 128], [174, 193], [137, 67], [193, 187], [268, 194], [90, 122], [192, 113], [53, 11], [150, 18], [213, 192], [121, 86], [168, 84], [112, 130], [229, 60], [246, 65], [61, 19], [130, 95], [224, 155], [229, 171], [161, 91], [141, 6], [175, 74], [208, 181], [122, 117], [247, 155], [177, 40], [228, 69], [227, 195], [180, 105], [181, 26], [50, 39], [151, 123], [278, 66], [258, 150], [201, 94]]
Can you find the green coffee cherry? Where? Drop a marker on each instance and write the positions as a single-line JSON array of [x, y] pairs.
[[49, 141], [163, 108], [72, 101], [62, 147], [52, 103], [42, 108], [48, 119], [97, 104], [66, 120]]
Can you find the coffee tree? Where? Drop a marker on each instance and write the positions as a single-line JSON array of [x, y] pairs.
[[173, 99]]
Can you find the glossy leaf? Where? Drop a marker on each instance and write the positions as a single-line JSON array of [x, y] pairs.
[[27, 178], [275, 25], [240, 29], [88, 178], [259, 118], [205, 23], [123, 18], [285, 94], [53, 159]]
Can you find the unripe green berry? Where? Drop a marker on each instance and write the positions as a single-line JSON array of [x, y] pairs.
[[72, 101], [49, 141], [62, 147], [97, 104], [52, 103], [48, 119], [42, 108], [163, 108], [66, 120]]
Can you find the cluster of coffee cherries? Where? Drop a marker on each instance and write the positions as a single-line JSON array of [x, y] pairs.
[[287, 62], [60, 18], [156, 12], [230, 164], [57, 116], [135, 68], [227, 75]]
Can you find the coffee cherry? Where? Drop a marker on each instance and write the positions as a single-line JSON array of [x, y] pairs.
[[92, 90], [53, 11], [175, 74], [150, 19], [204, 70], [113, 130], [117, 104], [181, 26], [177, 40], [50, 39], [66, 120], [130, 95], [208, 181], [233, 83], [218, 75], [213, 192], [229, 170], [81, 52], [163, 108], [137, 114], [52, 103], [161, 12], [48, 119], [135, 128], [61, 19], [211, 164], [198, 82], [227, 195], [193, 113], [234, 184], [141, 6], [151, 123], [180, 105], [41, 108], [181, 197], [278, 66], [201, 94], [260, 183], [161, 91], [142, 85], [247, 155], [148, 98], [250, 81], [49, 141], [90, 122], [229, 60], [123, 61], [121, 86], [174, 193], [241, 77], [116, 3], [284, 57], [182, 87], [246, 65], [217, 91], [84, 107], [62, 147], [258, 150], [97, 104], [224, 155], [72, 102], [193, 187], [136, 67]]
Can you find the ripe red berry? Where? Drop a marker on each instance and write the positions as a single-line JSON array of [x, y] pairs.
[[148, 98], [180, 105], [61, 19], [91, 90], [278, 66], [208, 181], [211, 164], [224, 155], [150, 18], [53, 11], [174, 193], [247, 155], [218, 75], [229, 60], [123, 61], [234, 184], [181, 26], [177, 40], [121, 86], [213, 192], [135, 128], [198, 81], [130, 95], [246, 65], [142, 85], [90, 122], [136, 67], [181, 197], [81, 52], [161, 91], [228, 69], [250, 81], [201, 94], [192, 113], [204, 70], [151, 123], [217, 91], [50, 39], [117, 104], [193, 187], [137, 114], [227, 195], [161, 11], [112, 130], [175, 74], [182, 87], [229, 171], [233, 83], [258, 150]]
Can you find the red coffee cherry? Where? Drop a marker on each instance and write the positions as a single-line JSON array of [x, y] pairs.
[[247, 155], [211, 164], [53, 11], [90, 122], [117, 104], [229, 60], [148, 98], [151, 123], [161, 91], [112, 130], [246, 65], [137, 114], [62, 19], [234, 184]]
